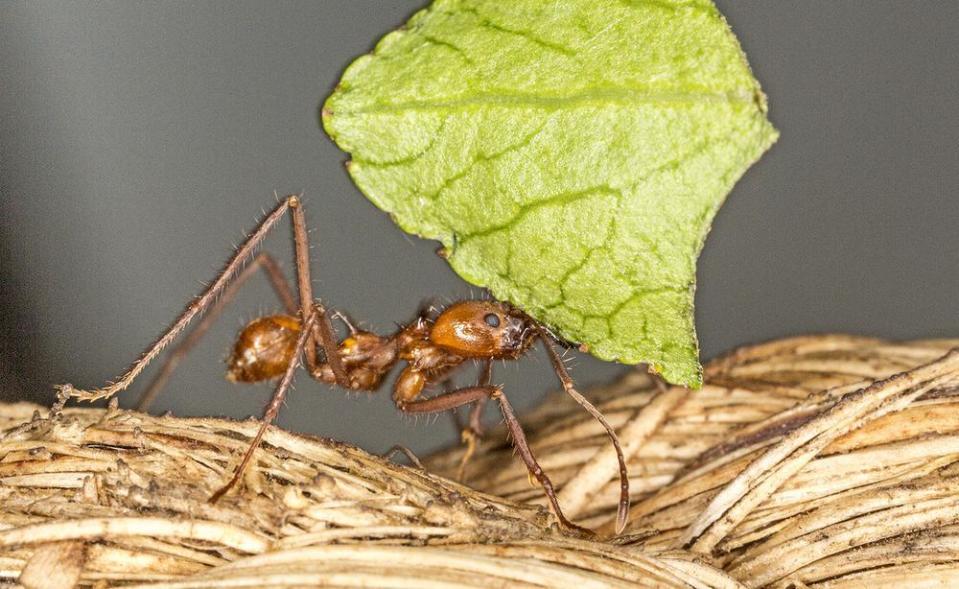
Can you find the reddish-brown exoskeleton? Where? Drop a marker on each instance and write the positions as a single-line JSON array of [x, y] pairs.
[[433, 345]]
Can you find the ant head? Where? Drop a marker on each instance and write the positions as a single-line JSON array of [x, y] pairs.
[[482, 329]]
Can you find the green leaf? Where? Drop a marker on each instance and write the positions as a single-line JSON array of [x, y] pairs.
[[570, 155]]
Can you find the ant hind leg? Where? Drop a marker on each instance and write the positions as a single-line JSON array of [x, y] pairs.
[[263, 261], [203, 302], [325, 336], [321, 331]]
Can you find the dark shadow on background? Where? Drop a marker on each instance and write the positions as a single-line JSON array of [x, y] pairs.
[[17, 344]]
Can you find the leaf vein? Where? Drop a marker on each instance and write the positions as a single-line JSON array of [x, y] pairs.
[[563, 198], [408, 159], [486, 22], [613, 96], [480, 158], [666, 5], [441, 43]]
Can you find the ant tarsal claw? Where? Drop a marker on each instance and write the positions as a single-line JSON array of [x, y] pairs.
[[471, 439], [63, 394], [531, 479], [410, 455]]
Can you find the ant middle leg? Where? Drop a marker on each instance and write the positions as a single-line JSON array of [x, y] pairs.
[[473, 432], [468, 395], [279, 394]]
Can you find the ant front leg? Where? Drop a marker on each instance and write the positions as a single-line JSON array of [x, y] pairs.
[[467, 395], [569, 387]]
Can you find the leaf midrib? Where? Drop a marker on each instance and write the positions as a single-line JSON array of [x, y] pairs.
[[611, 96]]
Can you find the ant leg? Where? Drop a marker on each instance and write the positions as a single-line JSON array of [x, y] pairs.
[[473, 432], [447, 385], [196, 307], [324, 334], [567, 381], [467, 395], [269, 414], [428, 308], [345, 320], [322, 331], [263, 261], [476, 413], [394, 450]]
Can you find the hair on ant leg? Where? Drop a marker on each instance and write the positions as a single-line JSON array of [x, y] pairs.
[[431, 347]]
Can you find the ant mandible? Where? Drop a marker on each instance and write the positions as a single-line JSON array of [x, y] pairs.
[[433, 346]]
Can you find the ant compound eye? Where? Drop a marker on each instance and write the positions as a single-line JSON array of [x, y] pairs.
[[491, 319]]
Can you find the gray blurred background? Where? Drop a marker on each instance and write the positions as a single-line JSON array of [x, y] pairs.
[[139, 141]]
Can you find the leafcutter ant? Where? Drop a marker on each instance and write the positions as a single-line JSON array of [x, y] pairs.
[[432, 346]]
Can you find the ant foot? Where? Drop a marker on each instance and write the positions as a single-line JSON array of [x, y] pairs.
[[469, 436], [578, 532], [218, 494], [398, 448], [64, 392]]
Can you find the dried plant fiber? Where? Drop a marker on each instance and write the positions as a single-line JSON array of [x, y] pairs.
[[826, 461], [107, 498], [818, 461]]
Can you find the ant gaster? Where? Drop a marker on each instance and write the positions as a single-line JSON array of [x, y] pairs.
[[432, 346]]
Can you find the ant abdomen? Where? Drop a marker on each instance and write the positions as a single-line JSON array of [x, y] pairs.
[[263, 349]]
